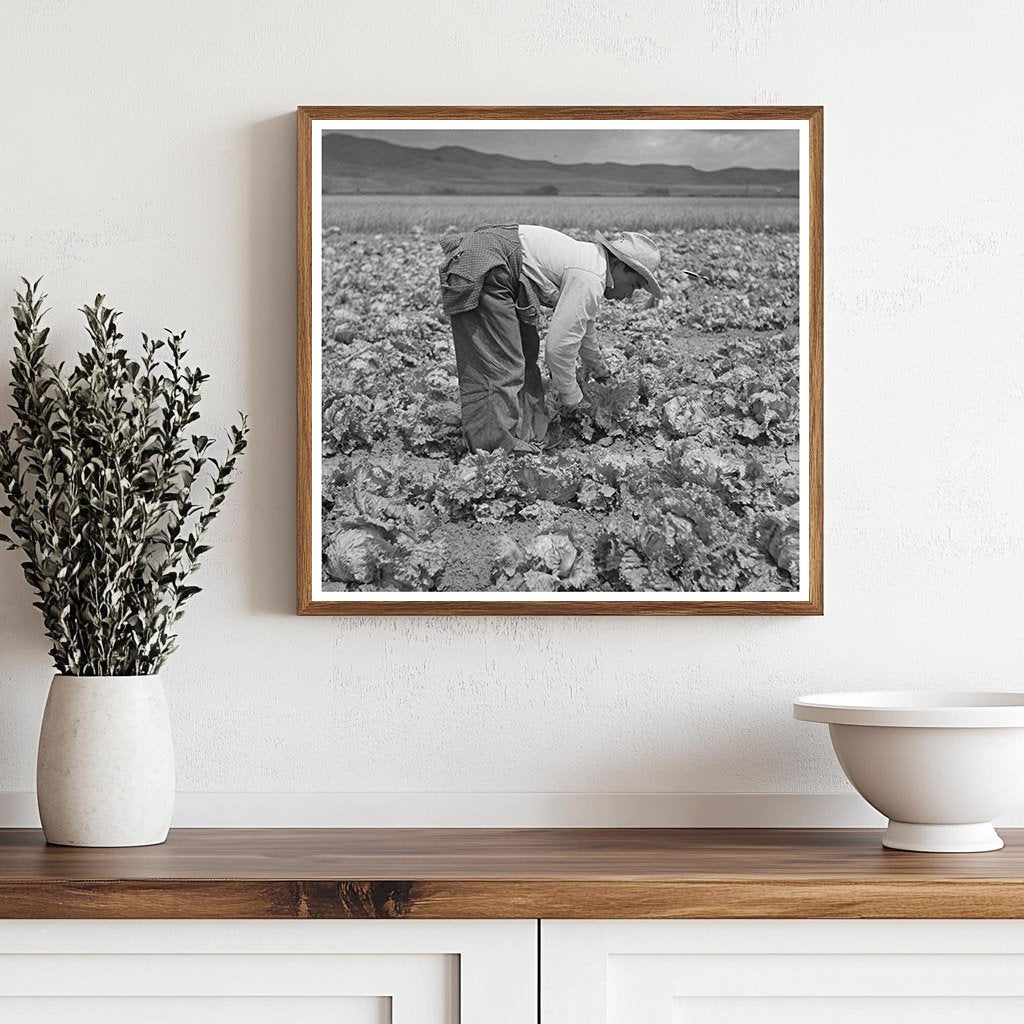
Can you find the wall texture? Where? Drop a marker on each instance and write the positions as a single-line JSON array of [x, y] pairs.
[[148, 152]]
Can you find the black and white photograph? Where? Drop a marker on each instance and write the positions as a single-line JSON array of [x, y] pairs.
[[555, 360]]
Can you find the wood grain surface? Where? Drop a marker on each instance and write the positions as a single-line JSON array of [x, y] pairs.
[[813, 502], [508, 873]]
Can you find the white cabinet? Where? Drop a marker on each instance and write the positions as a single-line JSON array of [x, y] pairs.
[[258, 972], [782, 972], [486, 972]]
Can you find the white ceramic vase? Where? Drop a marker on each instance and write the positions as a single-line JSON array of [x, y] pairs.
[[105, 772]]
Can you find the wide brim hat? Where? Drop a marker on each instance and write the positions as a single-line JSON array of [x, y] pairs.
[[638, 251]]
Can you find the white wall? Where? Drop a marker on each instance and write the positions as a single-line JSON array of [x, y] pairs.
[[148, 152]]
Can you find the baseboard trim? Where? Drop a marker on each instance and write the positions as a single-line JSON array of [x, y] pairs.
[[495, 810], [504, 810]]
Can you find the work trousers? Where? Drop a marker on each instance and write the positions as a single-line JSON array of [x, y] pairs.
[[500, 385]]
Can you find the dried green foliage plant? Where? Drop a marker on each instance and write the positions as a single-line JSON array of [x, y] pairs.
[[109, 495]]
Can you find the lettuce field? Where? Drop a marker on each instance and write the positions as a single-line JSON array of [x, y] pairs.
[[684, 476]]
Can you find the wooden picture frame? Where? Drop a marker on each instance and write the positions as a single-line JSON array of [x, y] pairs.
[[808, 600]]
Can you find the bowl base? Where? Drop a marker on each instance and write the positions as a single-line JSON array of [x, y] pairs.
[[979, 838]]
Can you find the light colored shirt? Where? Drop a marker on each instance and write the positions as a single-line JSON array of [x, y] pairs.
[[570, 276]]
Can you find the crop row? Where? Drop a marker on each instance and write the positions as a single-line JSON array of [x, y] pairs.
[[682, 474]]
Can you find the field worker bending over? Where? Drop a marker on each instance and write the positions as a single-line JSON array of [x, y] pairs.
[[493, 282]]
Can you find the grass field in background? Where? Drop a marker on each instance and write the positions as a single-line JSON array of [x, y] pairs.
[[434, 214]]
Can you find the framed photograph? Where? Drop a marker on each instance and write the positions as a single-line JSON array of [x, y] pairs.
[[560, 360]]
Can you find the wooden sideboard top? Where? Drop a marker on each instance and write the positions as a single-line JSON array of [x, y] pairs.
[[508, 873]]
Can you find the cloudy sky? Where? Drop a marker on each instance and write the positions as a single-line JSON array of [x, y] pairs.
[[703, 149]]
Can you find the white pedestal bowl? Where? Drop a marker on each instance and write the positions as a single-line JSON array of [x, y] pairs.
[[940, 766]]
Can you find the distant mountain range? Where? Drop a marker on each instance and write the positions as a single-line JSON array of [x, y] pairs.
[[353, 165]]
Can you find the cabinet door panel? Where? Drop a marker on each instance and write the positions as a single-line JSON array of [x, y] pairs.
[[189, 1010], [841, 1010], [302, 972], [799, 972]]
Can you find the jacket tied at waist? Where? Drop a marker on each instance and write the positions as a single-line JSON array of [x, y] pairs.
[[470, 256]]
